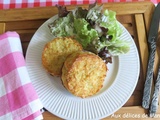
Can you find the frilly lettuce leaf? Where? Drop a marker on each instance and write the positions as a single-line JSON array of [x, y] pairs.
[[62, 26], [94, 12], [84, 33], [80, 12], [92, 28], [114, 48], [62, 11], [117, 47], [109, 21]]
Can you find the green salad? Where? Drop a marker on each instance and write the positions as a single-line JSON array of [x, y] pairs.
[[97, 31]]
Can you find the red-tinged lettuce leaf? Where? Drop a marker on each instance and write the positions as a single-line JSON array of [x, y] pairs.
[[62, 11]]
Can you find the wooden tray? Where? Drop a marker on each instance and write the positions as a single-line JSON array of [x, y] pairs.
[[134, 16]]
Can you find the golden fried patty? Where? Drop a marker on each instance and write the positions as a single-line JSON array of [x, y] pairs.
[[83, 73], [55, 53]]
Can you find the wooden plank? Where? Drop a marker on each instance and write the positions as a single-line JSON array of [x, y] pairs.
[[2, 28], [142, 43], [24, 25], [125, 19], [47, 12], [135, 99], [128, 23], [144, 47], [27, 14], [49, 116], [147, 17]]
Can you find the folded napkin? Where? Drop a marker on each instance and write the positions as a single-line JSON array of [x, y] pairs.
[[18, 99]]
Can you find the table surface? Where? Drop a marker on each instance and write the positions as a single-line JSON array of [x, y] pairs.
[[135, 16]]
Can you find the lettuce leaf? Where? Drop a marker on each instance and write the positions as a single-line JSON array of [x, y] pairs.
[[84, 33], [62, 26], [94, 12], [109, 21], [97, 31]]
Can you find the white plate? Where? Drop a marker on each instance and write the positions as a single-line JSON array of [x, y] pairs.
[[119, 84]]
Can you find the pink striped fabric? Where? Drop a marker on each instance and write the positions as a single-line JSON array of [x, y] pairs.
[[18, 98], [9, 4]]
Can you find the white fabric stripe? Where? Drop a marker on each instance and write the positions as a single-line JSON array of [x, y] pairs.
[[15, 44], [39, 118], [7, 116], [13, 81], [6, 1], [27, 110], [18, 1], [31, 1], [42, 0], [67, 0], [2, 88], [35, 105], [3, 50], [23, 74]]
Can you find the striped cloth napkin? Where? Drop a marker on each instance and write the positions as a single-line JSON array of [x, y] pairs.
[[18, 99], [12, 4]]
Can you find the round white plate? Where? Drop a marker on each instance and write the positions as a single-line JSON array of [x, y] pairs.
[[122, 77]]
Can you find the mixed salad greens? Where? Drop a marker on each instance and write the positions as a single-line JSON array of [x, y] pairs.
[[97, 31]]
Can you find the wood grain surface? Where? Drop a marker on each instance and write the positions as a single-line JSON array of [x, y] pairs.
[[135, 16]]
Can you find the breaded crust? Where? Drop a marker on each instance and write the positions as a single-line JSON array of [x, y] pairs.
[[55, 53], [83, 73]]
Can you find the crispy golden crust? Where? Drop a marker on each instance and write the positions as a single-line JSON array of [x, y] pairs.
[[83, 73], [55, 53]]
